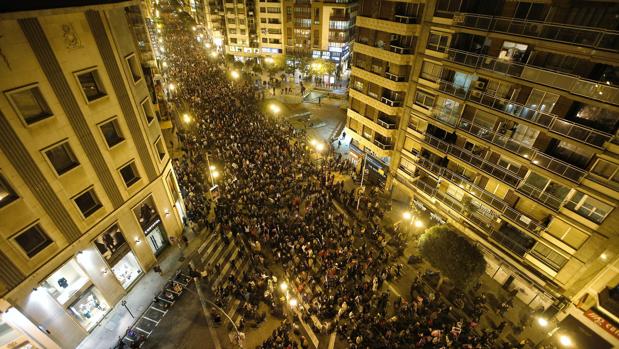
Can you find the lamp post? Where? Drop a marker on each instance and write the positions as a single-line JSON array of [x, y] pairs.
[[413, 220], [235, 75], [563, 338], [361, 187]]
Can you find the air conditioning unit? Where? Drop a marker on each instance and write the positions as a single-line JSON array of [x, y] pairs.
[[478, 84], [476, 93]]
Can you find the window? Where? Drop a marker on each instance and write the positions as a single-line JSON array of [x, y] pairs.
[[606, 170], [160, 148], [7, 194], [129, 173], [30, 104], [91, 85], [549, 256], [438, 42], [33, 240], [87, 202], [134, 67], [424, 99], [111, 133], [544, 190], [62, 158], [588, 207], [148, 111], [431, 71]]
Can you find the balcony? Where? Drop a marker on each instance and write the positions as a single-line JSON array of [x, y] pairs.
[[376, 126], [391, 102], [597, 38], [383, 143], [497, 203], [384, 53], [372, 100], [549, 121], [538, 195], [378, 150], [497, 139], [396, 78], [492, 169], [386, 122], [401, 25], [568, 82], [446, 115], [382, 79], [559, 167]]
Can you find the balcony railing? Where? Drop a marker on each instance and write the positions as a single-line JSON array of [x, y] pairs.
[[568, 82], [404, 19], [582, 36], [489, 198], [446, 115], [383, 144], [559, 167], [538, 195], [474, 160], [390, 102], [496, 138], [549, 121], [386, 123], [399, 48], [396, 78]]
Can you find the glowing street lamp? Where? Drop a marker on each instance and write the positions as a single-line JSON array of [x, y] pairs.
[[283, 286], [218, 42], [542, 322], [293, 302], [207, 45], [215, 174], [235, 74], [565, 340], [186, 118], [320, 147], [171, 87], [214, 54], [275, 108], [269, 60], [407, 215]]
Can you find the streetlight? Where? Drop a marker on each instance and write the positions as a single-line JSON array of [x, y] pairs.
[[542, 322], [275, 108], [214, 54], [320, 147], [268, 60], [171, 86], [186, 118], [412, 218], [293, 302], [207, 45], [565, 340], [215, 174], [283, 286], [235, 74]]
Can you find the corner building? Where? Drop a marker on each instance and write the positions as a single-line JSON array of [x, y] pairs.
[[88, 197], [501, 118]]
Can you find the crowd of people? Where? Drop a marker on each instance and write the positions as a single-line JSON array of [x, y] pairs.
[[275, 198]]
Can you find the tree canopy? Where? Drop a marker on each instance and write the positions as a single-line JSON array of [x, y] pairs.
[[453, 255]]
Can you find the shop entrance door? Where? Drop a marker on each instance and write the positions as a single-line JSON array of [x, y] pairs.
[[156, 240]]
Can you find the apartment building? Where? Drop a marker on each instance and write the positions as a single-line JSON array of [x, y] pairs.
[[501, 118], [270, 27], [320, 28], [241, 36], [88, 197]]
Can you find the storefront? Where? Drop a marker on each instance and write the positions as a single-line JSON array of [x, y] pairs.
[[11, 338], [115, 250], [74, 292], [376, 170], [152, 226]]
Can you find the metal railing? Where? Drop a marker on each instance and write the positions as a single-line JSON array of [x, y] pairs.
[[396, 78], [496, 138], [445, 115], [386, 123], [582, 36], [540, 159], [538, 195], [384, 146], [574, 84], [474, 160], [404, 19], [514, 215], [549, 121], [559, 167], [390, 102]]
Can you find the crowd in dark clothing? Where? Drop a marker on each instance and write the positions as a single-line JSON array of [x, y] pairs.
[[275, 198]]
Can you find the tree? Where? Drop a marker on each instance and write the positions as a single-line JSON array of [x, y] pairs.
[[453, 255]]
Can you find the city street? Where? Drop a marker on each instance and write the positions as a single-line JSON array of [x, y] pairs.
[[286, 240]]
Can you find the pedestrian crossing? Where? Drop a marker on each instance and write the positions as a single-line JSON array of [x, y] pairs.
[[216, 255]]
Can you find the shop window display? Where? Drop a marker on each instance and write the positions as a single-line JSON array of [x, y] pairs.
[[127, 270], [65, 282], [151, 223], [112, 245], [11, 338], [89, 309]]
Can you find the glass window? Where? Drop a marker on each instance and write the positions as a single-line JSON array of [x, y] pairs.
[[111, 133], [550, 257], [127, 270], [160, 148], [135, 68], [438, 41], [7, 194], [112, 245], [87, 202], [606, 170], [89, 309], [424, 99], [148, 111], [65, 282], [588, 207], [567, 233], [129, 173], [33, 240], [431, 71], [545, 190], [62, 158], [91, 85], [30, 105]]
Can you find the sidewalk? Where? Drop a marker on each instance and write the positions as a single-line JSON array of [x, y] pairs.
[[116, 322]]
